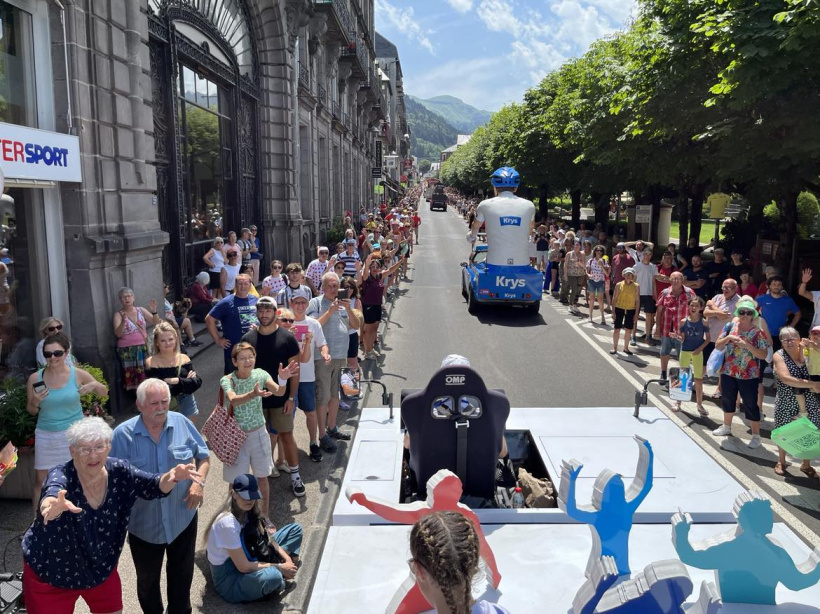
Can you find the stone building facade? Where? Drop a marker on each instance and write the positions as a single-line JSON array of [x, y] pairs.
[[194, 117]]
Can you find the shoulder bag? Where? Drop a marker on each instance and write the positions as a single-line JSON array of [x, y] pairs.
[[225, 436]]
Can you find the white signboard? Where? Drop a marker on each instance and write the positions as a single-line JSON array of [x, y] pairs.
[[643, 214], [391, 161], [27, 153]]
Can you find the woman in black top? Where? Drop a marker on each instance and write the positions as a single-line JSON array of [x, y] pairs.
[[175, 369]]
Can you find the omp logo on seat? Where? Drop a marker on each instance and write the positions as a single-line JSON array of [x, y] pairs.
[[511, 221], [455, 380], [507, 282]]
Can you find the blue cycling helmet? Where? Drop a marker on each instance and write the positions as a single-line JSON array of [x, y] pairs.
[[506, 177]]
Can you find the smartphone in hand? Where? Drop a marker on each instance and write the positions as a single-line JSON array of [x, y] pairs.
[[40, 386], [344, 294]]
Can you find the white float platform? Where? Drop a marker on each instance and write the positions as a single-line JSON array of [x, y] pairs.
[[601, 438], [542, 567]]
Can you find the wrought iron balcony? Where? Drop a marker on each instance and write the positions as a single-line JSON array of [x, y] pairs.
[[335, 109], [322, 96], [358, 51], [343, 20], [304, 77], [346, 120]]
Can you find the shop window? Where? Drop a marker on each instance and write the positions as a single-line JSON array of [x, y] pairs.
[[24, 292], [17, 92]]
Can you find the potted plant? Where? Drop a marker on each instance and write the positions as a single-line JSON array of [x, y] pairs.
[[17, 426], [93, 404]]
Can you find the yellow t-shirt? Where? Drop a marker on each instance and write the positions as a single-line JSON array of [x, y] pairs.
[[813, 360], [627, 295]]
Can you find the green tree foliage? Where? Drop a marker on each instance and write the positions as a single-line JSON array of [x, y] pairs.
[[696, 96], [429, 133]]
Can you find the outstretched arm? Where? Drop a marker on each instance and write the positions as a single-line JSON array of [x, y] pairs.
[[566, 493], [799, 577], [400, 513], [642, 483], [705, 558]]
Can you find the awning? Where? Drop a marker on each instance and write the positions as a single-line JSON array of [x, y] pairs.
[[392, 184]]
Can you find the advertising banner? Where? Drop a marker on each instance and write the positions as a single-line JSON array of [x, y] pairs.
[[27, 153]]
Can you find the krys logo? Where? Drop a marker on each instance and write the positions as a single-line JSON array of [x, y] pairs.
[[507, 282], [511, 221], [455, 380]]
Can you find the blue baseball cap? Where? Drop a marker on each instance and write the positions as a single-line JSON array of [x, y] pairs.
[[246, 486]]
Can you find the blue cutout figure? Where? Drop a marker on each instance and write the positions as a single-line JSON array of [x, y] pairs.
[[748, 563], [661, 588], [610, 515]]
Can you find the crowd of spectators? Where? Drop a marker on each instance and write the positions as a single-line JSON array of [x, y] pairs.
[[285, 340]]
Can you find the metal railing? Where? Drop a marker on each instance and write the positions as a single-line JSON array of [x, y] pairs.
[[304, 76], [357, 48], [342, 14], [346, 120], [322, 95], [335, 109]]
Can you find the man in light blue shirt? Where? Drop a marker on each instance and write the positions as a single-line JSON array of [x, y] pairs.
[[155, 441]]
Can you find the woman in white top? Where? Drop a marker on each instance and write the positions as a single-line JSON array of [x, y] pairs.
[[49, 327], [239, 575], [229, 272], [215, 260]]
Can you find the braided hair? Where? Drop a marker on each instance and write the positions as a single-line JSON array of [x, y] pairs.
[[445, 544]]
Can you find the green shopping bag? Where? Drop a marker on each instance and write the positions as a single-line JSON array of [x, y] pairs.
[[800, 438]]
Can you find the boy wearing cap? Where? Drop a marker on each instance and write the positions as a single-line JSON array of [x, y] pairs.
[[277, 347]]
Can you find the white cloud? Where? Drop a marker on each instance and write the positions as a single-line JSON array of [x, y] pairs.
[[404, 20], [462, 6]]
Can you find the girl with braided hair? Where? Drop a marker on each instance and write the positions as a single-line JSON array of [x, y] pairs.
[[445, 550]]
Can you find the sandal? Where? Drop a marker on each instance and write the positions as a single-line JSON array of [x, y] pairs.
[[702, 411], [810, 472], [715, 396], [779, 469], [676, 407]]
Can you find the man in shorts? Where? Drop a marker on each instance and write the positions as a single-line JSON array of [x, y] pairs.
[[277, 347], [337, 319], [673, 305], [645, 273], [308, 329]]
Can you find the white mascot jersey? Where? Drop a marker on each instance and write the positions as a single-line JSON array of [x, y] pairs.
[[507, 218]]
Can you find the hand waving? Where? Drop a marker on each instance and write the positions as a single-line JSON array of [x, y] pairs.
[[52, 507], [289, 371], [806, 277]]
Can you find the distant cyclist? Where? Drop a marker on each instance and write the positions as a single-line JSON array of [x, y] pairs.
[[509, 221]]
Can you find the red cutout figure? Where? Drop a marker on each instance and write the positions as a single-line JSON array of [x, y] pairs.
[[443, 492]]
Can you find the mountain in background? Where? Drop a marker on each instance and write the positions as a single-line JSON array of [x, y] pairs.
[[429, 132], [459, 114]]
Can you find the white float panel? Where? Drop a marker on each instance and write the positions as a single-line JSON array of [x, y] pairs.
[[600, 437], [542, 567]]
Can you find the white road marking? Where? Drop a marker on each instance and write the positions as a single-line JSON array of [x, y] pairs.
[[790, 519]]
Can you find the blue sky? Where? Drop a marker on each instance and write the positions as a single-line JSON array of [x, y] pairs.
[[488, 52]]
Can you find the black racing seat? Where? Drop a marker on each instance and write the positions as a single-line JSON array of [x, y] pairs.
[[456, 423]]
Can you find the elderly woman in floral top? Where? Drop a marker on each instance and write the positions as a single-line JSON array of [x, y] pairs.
[[72, 548], [745, 345]]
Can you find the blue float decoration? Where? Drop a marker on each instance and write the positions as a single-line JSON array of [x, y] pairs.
[[748, 562], [610, 515]]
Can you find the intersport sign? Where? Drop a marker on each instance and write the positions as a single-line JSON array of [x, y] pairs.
[[28, 153]]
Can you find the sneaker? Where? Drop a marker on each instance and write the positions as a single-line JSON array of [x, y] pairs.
[[298, 487], [371, 355], [632, 342], [722, 430], [315, 453], [755, 442], [337, 434], [275, 472], [194, 343], [344, 406], [283, 467], [327, 444]]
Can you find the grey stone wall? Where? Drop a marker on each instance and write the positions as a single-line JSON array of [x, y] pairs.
[[112, 232]]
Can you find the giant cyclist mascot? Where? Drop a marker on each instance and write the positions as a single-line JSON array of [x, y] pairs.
[[505, 275]]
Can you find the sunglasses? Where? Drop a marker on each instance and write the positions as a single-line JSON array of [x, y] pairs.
[[51, 329], [232, 255], [276, 268], [55, 353], [288, 320], [745, 312]]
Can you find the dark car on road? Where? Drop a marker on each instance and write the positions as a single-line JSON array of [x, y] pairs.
[[438, 201]]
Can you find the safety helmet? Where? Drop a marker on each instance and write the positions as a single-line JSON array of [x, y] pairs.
[[506, 177]]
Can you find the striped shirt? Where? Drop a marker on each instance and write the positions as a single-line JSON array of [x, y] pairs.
[[349, 261]]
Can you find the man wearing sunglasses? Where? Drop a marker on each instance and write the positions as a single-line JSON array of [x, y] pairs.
[[277, 347]]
